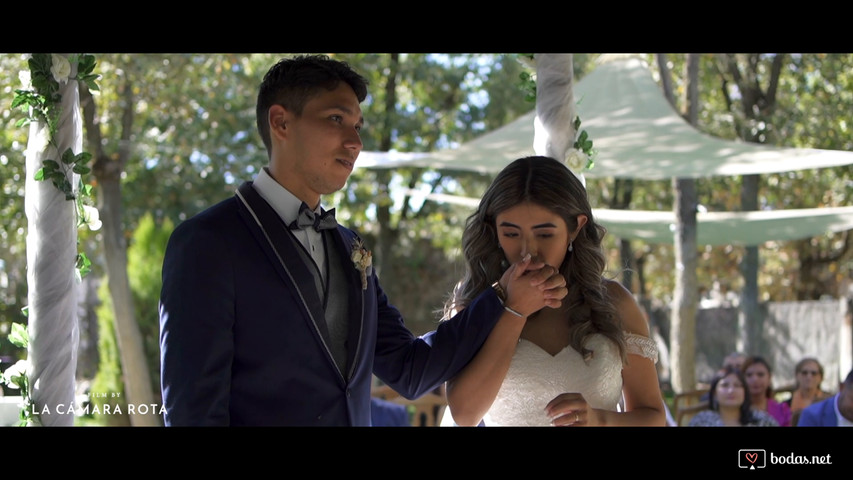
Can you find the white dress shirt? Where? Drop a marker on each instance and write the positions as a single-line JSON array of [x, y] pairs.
[[287, 206]]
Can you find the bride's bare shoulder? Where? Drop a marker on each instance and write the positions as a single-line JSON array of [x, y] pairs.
[[633, 317]]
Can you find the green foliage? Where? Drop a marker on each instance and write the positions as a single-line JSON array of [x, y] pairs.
[[144, 261], [82, 264], [13, 258], [57, 172], [19, 336], [43, 103], [109, 380], [17, 377], [40, 104], [85, 69], [197, 138]]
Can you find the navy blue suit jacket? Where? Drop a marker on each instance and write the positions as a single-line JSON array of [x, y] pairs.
[[242, 328], [820, 414]]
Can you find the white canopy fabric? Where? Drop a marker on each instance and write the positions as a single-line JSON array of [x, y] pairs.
[[638, 135], [729, 228], [713, 228], [634, 129]]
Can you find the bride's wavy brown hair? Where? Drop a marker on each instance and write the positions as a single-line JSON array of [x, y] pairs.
[[548, 183]]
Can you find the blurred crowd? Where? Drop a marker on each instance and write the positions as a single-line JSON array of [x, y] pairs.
[[742, 393]]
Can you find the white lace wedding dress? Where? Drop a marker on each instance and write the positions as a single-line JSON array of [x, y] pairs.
[[535, 378]]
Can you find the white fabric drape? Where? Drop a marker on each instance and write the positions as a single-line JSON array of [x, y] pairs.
[[554, 132], [51, 257]]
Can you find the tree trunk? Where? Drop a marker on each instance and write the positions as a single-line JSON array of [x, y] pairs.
[[51, 260], [626, 256], [137, 379], [623, 194], [749, 318], [384, 202], [757, 107], [685, 301]]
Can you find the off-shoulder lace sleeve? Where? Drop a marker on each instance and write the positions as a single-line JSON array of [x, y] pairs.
[[640, 345]]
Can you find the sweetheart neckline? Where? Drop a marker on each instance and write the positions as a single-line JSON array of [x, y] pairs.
[[593, 338], [542, 349]]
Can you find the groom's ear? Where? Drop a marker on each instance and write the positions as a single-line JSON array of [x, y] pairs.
[[278, 117]]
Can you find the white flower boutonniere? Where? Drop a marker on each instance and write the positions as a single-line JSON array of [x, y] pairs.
[[363, 260]]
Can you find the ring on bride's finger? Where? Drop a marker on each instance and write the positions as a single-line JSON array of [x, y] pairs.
[[577, 417]]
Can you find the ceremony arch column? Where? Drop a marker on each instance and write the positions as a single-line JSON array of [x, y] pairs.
[[554, 132], [51, 260]]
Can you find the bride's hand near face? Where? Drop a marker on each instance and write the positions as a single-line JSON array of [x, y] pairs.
[[531, 285]]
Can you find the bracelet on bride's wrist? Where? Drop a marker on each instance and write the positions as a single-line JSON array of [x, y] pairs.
[[514, 312]]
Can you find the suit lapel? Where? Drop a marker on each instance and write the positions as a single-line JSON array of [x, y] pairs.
[[278, 242], [342, 252]]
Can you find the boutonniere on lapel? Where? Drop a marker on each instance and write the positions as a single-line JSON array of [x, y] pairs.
[[363, 260]]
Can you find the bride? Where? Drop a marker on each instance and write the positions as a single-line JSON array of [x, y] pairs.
[[589, 361]]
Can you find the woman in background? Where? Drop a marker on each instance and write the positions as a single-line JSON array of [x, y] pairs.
[[730, 404], [760, 384], [809, 376]]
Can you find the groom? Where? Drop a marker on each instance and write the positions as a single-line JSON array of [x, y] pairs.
[[271, 313]]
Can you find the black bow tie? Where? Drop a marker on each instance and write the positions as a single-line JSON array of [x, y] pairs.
[[307, 218]]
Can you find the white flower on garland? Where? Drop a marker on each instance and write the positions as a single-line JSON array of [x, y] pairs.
[[90, 217], [41, 140], [26, 79], [582, 156], [60, 68], [16, 375], [577, 160]]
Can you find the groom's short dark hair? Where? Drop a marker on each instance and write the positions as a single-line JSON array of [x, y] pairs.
[[294, 80]]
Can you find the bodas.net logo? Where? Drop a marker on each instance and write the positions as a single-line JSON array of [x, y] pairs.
[[751, 458]]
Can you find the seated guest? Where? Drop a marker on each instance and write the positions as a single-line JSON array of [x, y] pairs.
[[809, 376], [760, 385], [835, 411], [730, 404], [732, 360]]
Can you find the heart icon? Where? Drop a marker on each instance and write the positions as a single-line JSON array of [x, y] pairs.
[[752, 457]]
